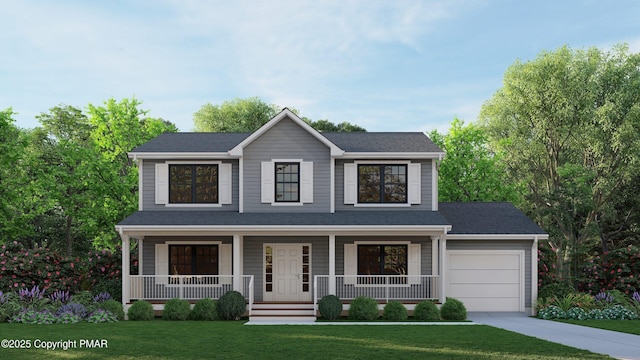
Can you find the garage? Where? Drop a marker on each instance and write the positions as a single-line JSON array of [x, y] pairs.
[[486, 280]]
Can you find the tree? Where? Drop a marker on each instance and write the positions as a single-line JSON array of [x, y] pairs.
[[12, 145], [117, 128], [568, 124], [470, 171], [248, 115], [328, 126], [238, 115]]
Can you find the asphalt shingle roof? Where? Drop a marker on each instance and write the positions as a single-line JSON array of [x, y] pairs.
[[487, 218], [350, 142], [213, 218]]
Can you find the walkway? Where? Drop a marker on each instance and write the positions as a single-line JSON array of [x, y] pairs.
[[612, 343]]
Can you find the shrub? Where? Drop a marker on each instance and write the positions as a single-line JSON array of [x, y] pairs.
[[453, 309], [176, 309], [204, 309], [330, 307], [231, 305], [31, 316], [363, 308], [73, 308], [426, 311], [551, 312], [140, 310], [576, 313], [67, 318], [9, 306], [114, 307], [395, 311], [101, 316], [559, 290], [619, 312], [618, 269]]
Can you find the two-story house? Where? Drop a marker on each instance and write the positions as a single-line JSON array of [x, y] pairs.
[[286, 215]]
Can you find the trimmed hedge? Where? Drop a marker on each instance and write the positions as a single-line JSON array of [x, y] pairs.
[[363, 308], [141, 310], [330, 307], [231, 306], [176, 309], [395, 311], [204, 310], [426, 311], [453, 309]]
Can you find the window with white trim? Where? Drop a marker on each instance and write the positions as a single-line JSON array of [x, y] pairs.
[[286, 182], [397, 258], [190, 262], [393, 183], [200, 183]]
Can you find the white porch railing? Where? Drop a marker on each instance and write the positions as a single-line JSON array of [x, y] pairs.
[[190, 287], [380, 287]]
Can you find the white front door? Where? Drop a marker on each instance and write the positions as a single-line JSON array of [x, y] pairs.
[[285, 278]]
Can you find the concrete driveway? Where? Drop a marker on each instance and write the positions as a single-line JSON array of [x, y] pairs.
[[612, 343]]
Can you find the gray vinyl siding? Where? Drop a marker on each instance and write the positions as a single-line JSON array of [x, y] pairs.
[[149, 188], [254, 263], [501, 245], [149, 248], [286, 140], [425, 249], [426, 185]]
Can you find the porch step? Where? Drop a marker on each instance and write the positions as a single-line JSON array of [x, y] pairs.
[[282, 312]]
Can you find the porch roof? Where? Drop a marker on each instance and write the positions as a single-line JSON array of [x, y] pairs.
[[347, 218]]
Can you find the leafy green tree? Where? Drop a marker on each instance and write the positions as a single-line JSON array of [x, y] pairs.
[[328, 126], [470, 171], [117, 128], [238, 115], [568, 124], [12, 145], [248, 115]]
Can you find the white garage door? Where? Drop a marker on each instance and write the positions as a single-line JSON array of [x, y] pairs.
[[486, 280]]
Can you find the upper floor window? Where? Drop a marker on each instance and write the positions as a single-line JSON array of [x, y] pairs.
[[382, 183], [287, 182], [193, 184]]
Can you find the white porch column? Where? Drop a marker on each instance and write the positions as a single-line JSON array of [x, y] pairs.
[[443, 266], [332, 264], [237, 263], [126, 270], [435, 270], [140, 255]]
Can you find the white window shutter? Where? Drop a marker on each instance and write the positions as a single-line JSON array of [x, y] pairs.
[[350, 183], [225, 184], [414, 188], [162, 263], [267, 175], [225, 263], [350, 264], [306, 182], [162, 184], [414, 263]]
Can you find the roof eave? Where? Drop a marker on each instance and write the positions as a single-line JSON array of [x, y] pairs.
[[179, 155], [393, 155]]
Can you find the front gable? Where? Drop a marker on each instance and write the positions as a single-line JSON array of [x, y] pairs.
[[238, 150]]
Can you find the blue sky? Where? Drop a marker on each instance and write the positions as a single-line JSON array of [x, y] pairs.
[[384, 65]]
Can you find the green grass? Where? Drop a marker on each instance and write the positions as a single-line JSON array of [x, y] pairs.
[[231, 340], [625, 326]]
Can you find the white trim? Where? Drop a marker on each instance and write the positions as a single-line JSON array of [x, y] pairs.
[[351, 264], [238, 150], [195, 242], [434, 185], [227, 230], [332, 186], [520, 253], [392, 155], [195, 205], [268, 182], [441, 271], [352, 199], [140, 176], [384, 205], [332, 264], [236, 263], [497, 236], [140, 255], [434, 255], [240, 185], [179, 155]]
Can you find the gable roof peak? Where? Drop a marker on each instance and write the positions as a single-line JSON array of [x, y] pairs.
[[285, 113]]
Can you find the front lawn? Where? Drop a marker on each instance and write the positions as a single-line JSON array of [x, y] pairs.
[[231, 340], [625, 326]]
